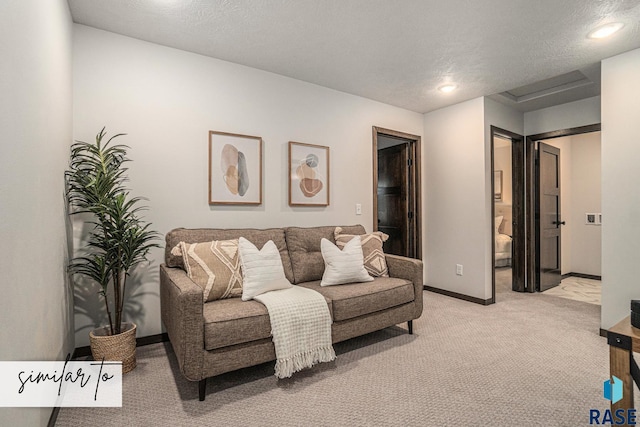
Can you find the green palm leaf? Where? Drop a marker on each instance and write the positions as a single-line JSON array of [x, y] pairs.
[[119, 239]]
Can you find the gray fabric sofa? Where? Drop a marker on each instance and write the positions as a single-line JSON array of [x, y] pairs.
[[224, 335]]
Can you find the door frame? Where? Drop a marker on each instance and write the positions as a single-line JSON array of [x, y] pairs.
[[531, 190], [517, 215], [415, 148]]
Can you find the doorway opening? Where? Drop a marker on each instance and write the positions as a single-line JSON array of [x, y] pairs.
[[508, 227], [565, 212], [397, 198]]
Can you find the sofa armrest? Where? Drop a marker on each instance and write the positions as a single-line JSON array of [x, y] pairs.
[[409, 269], [182, 315]]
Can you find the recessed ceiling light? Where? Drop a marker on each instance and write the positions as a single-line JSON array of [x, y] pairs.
[[447, 88], [605, 30]]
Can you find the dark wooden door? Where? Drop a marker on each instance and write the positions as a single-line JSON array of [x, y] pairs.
[[549, 271], [393, 203], [518, 244]]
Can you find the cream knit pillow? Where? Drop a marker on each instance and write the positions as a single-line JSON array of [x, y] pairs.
[[374, 260], [343, 266], [262, 269]]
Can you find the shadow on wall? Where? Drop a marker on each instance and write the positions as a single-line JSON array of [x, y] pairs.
[[69, 340], [88, 303]]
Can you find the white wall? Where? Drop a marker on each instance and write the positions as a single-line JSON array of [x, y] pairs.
[[586, 194], [570, 115], [454, 186], [620, 178], [167, 100], [457, 183], [35, 124]]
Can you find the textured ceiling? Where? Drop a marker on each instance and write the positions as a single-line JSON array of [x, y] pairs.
[[396, 52]]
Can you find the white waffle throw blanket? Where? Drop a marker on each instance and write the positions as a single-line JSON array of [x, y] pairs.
[[301, 328]]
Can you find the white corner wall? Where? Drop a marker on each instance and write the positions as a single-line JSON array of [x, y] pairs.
[[454, 186], [586, 195], [620, 178], [35, 124], [501, 116], [457, 183], [167, 100], [565, 116]]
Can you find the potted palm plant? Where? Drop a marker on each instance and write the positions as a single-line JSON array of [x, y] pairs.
[[118, 241]]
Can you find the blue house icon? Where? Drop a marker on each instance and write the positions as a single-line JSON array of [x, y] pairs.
[[612, 389]]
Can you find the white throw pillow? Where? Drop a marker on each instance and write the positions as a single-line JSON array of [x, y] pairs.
[[497, 222], [262, 270], [343, 266]]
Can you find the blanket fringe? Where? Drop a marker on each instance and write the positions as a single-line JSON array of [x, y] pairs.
[[285, 368]]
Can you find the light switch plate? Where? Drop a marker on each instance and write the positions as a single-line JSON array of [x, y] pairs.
[[358, 209]]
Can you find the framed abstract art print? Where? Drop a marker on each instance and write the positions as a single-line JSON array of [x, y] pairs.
[[235, 169], [308, 174]]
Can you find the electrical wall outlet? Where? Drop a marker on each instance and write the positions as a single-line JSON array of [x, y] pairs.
[[358, 209], [459, 269]]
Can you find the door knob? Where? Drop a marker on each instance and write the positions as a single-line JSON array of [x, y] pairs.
[[559, 223]]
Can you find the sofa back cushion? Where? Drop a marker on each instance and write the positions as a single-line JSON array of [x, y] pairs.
[[255, 236], [304, 249]]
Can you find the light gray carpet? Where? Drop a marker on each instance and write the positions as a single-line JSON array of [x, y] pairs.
[[504, 281], [529, 359]]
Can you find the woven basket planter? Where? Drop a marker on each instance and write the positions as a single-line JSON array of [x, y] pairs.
[[115, 348]]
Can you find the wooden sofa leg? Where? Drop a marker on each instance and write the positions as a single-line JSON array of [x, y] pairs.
[[410, 324], [202, 389]]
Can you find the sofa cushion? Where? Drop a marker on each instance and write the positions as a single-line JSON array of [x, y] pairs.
[[358, 299], [373, 255], [257, 237], [233, 321], [304, 249]]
